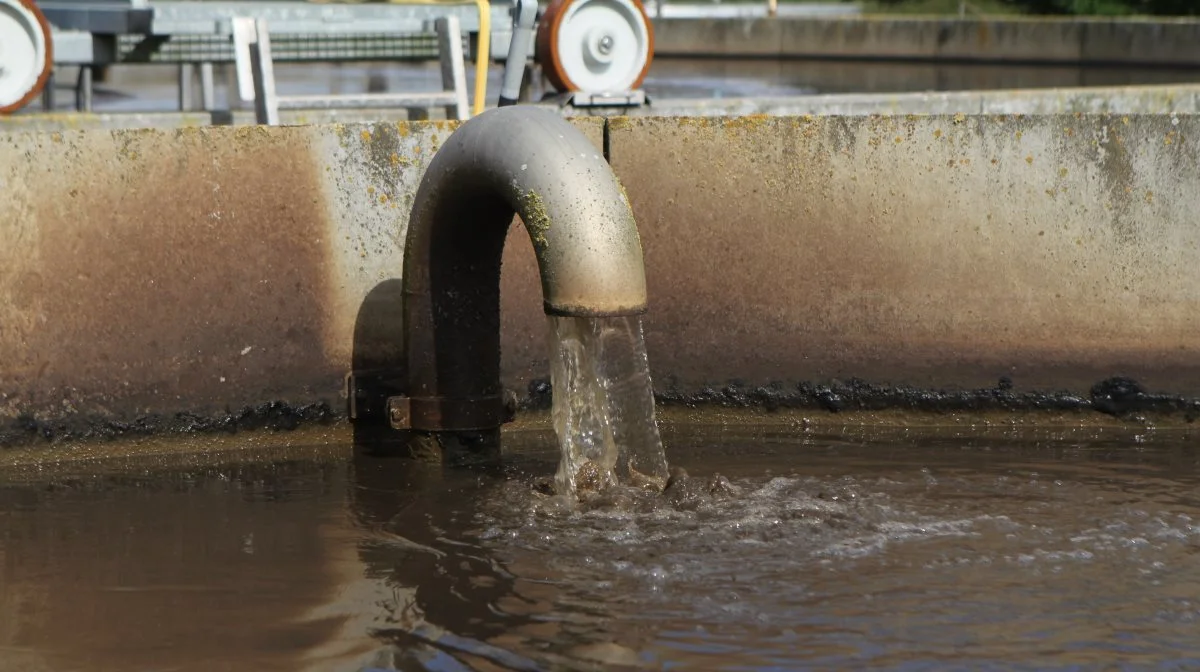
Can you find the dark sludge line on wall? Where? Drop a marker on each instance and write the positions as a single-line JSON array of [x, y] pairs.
[[1121, 398], [271, 416], [1117, 397]]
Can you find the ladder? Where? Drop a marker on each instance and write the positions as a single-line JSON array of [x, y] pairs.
[[256, 77]]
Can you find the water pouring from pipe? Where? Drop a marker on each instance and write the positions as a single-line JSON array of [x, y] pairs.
[[603, 406]]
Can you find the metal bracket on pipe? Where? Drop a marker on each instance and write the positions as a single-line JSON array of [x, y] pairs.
[[636, 98], [440, 413], [369, 392]]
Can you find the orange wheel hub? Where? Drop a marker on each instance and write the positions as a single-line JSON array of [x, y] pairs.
[[595, 46]]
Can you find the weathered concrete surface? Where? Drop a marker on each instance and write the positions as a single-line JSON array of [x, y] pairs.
[[198, 270], [926, 251], [1168, 99], [1045, 40], [150, 272], [1117, 100]]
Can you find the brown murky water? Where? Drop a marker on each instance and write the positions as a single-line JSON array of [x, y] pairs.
[[1075, 550]]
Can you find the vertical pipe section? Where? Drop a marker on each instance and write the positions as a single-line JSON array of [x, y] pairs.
[[524, 14]]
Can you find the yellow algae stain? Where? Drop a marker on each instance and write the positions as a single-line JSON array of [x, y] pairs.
[[1029, 159], [619, 123], [748, 122], [537, 220], [937, 132], [1062, 172]]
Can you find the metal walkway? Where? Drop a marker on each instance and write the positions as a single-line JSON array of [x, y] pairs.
[[199, 33]]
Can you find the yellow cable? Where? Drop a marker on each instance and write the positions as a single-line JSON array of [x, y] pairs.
[[484, 45], [484, 55]]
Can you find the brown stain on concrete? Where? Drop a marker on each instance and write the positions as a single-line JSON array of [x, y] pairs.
[[193, 279], [816, 251]]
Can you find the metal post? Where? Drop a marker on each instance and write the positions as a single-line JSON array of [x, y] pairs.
[[83, 89], [187, 73], [207, 92], [454, 75], [48, 92], [243, 36], [266, 104]]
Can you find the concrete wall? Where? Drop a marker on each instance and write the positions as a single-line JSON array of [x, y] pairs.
[[1067, 40], [150, 272], [1116, 100], [929, 251], [202, 270]]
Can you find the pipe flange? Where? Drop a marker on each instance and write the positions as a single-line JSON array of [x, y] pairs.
[[595, 46], [26, 53]]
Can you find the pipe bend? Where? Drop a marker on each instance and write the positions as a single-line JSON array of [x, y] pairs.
[[533, 162]]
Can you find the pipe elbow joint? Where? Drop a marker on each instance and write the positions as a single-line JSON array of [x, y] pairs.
[[533, 162]]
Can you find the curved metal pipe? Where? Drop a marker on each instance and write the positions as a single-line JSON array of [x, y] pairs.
[[513, 160]]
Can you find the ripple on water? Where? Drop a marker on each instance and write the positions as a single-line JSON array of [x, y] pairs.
[[875, 567]]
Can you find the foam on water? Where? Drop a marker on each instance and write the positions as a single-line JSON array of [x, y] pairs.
[[893, 567]]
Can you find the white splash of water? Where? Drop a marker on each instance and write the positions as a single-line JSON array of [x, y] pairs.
[[603, 404]]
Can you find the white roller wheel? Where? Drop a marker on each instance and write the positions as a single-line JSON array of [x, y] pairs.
[[595, 46], [26, 57]]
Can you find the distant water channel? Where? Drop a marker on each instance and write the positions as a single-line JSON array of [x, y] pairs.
[[154, 88]]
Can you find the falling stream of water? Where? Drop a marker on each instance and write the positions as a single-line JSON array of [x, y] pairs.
[[603, 404]]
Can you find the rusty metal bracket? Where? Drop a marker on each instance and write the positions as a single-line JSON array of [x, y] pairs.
[[441, 413]]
